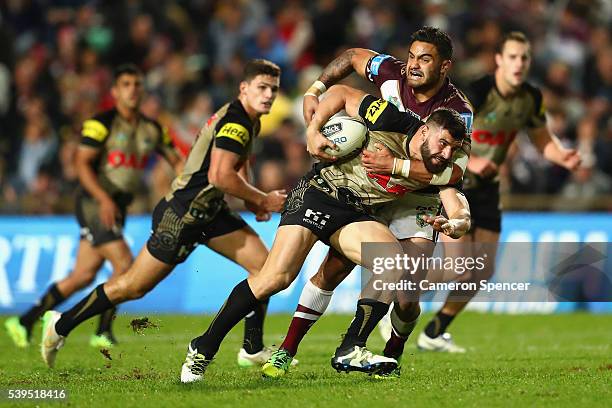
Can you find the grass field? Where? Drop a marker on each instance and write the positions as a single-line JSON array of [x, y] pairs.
[[527, 360]]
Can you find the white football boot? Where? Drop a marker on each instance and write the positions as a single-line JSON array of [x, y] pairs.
[[257, 359], [51, 341], [194, 366], [442, 343], [361, 359]]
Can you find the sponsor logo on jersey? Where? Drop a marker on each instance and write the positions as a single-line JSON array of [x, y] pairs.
[[329, 130], [497, 139], [376, 62], [316, 218], [384, 180], [117, 158], [235, 132], [468, 118], [95, 130], [375, 109]]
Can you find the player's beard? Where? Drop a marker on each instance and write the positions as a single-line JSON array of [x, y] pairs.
[[428, 160]]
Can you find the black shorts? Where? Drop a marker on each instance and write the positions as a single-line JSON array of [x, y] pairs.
[[88, 215], [172, 240], [485, 207], [323, 215]]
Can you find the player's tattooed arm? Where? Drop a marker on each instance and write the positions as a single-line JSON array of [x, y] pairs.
[[354, 59]]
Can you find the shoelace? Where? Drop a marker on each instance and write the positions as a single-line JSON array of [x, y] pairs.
[[279, 358], [199, 364], [363, 353]]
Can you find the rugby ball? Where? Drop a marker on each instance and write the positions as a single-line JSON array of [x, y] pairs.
[[349, 134]]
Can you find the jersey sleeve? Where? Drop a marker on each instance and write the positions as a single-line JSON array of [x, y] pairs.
[[382, 67], [380, 115], [95, 130], [232, 133], [537, 119]]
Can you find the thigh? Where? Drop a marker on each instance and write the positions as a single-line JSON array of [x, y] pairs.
[[243, 246], [348, 239], [171, 240], [287, 255]]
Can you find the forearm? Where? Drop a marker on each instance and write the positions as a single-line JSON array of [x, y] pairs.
[[236, 185], [89, 181], [456, 205], [553, 153], [338, 69], [419, 173]]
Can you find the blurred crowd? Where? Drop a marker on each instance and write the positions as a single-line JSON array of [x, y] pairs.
[[56, 60]]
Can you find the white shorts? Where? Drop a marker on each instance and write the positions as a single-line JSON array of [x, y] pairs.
[[405, 215]]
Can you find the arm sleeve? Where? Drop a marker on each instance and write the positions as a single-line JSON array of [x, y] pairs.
[[382, 67], [94, 132], [232, 134], [379, 114]]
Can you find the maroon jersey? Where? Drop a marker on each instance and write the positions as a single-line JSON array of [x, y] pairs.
[[389, 75]]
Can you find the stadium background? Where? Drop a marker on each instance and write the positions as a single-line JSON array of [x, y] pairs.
[[56, 59]]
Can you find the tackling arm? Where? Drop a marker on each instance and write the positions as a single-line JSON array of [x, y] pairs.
[[354, 59]]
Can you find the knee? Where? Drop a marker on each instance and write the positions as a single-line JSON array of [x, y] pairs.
[[407, 310], [123, 289], [270, 284]]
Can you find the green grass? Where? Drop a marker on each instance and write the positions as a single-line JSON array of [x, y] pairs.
[[526, 360]]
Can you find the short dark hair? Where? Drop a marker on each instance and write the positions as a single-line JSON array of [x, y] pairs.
[[511, 36], [123, 69], [450, 120], [256, 67], [437, 37]]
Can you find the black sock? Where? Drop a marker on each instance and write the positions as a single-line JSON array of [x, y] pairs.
[[369, 313], [106, 321], [253, 329], [239, 303], [94, 303], [48, 301], [438, 324]]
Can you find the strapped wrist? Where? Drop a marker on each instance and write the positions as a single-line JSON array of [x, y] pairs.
[[316, 89]]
